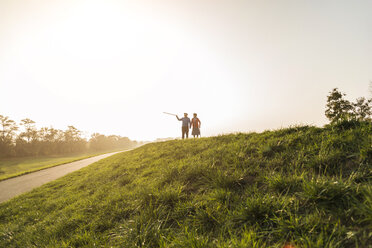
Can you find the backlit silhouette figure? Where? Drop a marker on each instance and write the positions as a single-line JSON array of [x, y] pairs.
[[185, 125], [195, 124]]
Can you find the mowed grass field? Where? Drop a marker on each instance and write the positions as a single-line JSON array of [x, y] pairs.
[[304, 186], [12, 167]]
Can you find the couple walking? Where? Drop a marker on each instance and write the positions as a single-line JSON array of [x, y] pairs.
[[187, 124]]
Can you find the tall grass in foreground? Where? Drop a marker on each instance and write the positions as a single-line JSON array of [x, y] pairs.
[[307, 186]]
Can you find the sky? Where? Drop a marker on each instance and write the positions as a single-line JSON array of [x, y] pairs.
[[115, 66]]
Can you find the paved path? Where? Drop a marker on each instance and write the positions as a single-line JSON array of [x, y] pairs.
[[18, 185]]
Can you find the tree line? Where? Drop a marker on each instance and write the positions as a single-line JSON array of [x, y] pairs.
[[24, 139]]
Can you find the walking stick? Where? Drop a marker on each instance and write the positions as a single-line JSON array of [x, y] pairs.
[[169, 113]]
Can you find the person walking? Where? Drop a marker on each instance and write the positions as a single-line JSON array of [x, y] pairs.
[[185, 125], [195, 124]]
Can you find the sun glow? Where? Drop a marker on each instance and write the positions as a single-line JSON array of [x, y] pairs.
[[115, 66]]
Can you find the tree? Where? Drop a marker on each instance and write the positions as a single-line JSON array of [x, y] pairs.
[[8, 128], [362, 109], [7, 135], [27, 143], [30, 132], [73, 140], [339, 109], [99, 142]]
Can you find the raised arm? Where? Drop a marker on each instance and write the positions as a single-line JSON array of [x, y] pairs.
[[178, 118]]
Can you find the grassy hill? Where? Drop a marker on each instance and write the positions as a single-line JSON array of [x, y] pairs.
[[16, 166], [307, 186]]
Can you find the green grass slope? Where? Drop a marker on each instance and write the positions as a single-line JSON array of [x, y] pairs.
[[13, 167], [307, 186]]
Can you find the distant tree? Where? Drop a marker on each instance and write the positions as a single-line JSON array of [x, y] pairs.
[[27, 143], [339, 109], [30, 132], [7, 135], [49, 141], [73, 140], [8, 128], [99, 142], [72, 134], [362, 109]]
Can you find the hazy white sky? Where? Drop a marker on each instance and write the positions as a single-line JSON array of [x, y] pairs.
[[114, 66]]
